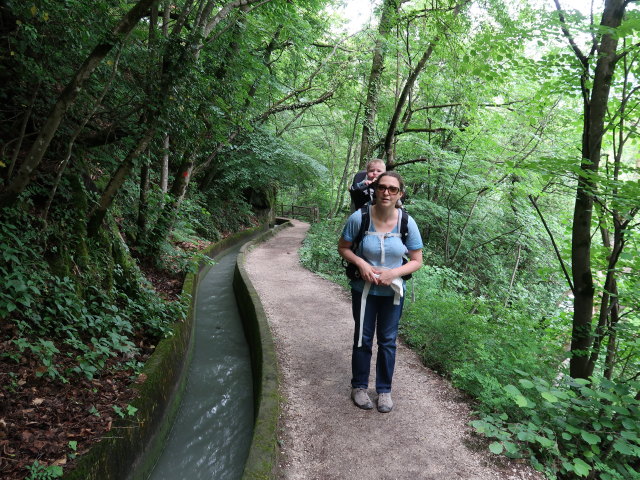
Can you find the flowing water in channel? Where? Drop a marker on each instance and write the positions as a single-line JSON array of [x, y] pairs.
[[212, 432]]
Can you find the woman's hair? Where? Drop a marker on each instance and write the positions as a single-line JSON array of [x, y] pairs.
[[392, 174]]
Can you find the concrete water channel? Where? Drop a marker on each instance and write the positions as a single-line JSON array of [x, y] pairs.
[[208, 403], [212, 433]]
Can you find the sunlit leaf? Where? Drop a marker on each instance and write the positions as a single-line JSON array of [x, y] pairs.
[[581, 468], [496, 447]]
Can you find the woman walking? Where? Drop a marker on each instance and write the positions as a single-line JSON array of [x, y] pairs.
[[378, 294]]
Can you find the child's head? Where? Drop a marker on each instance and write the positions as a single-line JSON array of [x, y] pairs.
[[374, 168]]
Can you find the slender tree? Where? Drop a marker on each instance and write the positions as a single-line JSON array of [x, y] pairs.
[[387, 20], [67, 97], [595, 98]]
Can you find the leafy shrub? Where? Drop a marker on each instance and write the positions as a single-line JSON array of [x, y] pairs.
[[39, 471], [57, 315], [572, 428], [197, 220], [319, 251], [473, 341]]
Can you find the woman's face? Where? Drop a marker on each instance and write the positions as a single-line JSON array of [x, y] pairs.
[[388, 190]]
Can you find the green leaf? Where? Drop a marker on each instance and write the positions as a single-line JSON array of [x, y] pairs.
[[623, 447], [511, 447], [630, 436], [513, 390], [496, 447], [526, 383], [590, 438], [549, 397], [581, 381], [620, 409], [479, 425], [544, 441], [581, 468], [572, 429], [526, 436]]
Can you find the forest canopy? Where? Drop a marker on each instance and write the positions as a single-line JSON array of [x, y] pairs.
[[129, 129]]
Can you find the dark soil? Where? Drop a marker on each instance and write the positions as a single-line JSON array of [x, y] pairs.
[[52, 422]]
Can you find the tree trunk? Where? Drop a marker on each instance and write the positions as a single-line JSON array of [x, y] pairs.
[[343, 186], [167, 218], [118, 178], [23, 129], [513, 275], [67, 97], [143, 206], [404, 95], [594, 117], [402, 100], [389, 12], [170, 75], [466, 224], [164, 173], [612, 350]]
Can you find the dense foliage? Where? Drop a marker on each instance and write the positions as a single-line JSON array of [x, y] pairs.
[[133, 130], [490, 149]]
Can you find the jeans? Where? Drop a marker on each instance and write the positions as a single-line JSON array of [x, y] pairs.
[[381, 315]]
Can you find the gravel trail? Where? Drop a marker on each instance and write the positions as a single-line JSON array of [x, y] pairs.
[[323, 435]]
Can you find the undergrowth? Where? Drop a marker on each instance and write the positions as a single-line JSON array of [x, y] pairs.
[[509, 358], [52, 314]]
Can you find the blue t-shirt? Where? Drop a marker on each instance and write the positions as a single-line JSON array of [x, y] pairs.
[[370, 248]]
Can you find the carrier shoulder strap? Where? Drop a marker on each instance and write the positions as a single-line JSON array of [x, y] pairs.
[[404, 226], [364, 226]]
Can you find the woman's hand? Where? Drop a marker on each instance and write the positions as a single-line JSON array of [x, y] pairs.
[[367, 272], [384, 276]]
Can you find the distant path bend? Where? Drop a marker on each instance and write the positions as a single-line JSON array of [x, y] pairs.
[[322, 434]]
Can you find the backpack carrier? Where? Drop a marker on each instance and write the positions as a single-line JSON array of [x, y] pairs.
[[350, 269]]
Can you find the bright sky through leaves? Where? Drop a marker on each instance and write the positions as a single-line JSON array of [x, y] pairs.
[[359, 12]]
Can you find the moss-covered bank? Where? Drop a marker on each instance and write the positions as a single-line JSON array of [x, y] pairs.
[[134, 445]]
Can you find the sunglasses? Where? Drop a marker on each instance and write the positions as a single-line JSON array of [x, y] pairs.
[[392, 190]]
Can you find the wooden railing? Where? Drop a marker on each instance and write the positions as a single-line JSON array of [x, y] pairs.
[[310, 214]]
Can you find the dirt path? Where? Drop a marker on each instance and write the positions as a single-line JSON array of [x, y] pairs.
[[323, 435]]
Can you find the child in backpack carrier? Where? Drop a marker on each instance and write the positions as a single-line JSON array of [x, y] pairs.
[[360, 190]]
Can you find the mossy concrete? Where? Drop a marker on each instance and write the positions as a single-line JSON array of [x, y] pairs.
[[262, 459], [133, 445]]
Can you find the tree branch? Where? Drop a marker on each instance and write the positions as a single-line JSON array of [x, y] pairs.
[[409, 162], [325, 45], [427, 130], [553, 242], [281, 108], [496, 238], [446, 105], [565, 30]]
